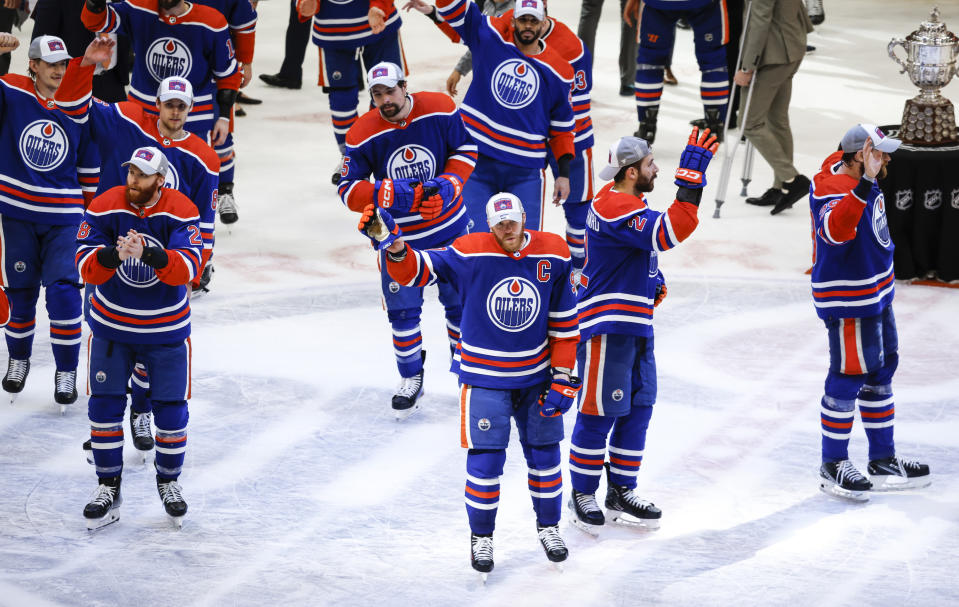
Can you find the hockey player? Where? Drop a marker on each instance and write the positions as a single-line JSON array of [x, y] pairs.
[[517, 107], [178, 38], [47, 170], [657, 30], [853, 287], [514, 359], [619, 287], [140, 245], [346, 33], [416, 149]]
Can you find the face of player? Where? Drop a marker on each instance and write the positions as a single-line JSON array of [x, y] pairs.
[[49, 75], [527, 29], [141, 188], [647, 175], [173, 113], [509, 234], [882, 172], [389, 100]]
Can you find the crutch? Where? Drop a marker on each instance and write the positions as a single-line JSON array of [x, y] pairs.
[[747, 175]]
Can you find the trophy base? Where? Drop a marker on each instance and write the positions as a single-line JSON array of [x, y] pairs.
[[929, 122]]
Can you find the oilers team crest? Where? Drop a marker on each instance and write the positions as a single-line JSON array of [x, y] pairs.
[[880, 224], [172, 180], [44, 145], [515, 83], [411, 162], [168, 57], [513, 304], [136, 273]]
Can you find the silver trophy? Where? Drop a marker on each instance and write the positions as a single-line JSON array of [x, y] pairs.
[[931, 52]]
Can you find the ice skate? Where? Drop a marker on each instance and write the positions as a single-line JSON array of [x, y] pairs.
[[141, 430], [624, 507], [104, 507], [172, 496], [552, 542], [408, 392], [226, 204], [815, 11], [204, 285], [842, 480], [88, 451], [481, 554], [65, 389], [16, 377], [586, 514], [647, 126], [897, 474]]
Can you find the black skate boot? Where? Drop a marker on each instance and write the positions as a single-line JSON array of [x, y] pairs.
[[141, 430], [896, 474], [65, 388], [104, 508], [841, 479], [586, 513], [714, 123], [17, 371], [172, 496], [481, 553], [204, 286], [226, 204], [625, 508], [647, 127], [410, 389], [552, 542]]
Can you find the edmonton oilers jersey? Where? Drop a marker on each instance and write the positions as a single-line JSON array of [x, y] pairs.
[[46, 160], [430, 142], [136, 303], [519, 311], [345, 23], [852, 274], [241, 16], [516, 105]]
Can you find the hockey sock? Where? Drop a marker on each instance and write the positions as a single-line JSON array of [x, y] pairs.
[[576, 240], [140, 390], [649, 88], [65, 308], [878, 411], [454, 315], [626, 444], [407, 342], [171, 419], [106, 433], [545, 477], [714, 88], [343, 110], [837, 414], [23, 313], [227, 159], [587, 451], [484, 467]]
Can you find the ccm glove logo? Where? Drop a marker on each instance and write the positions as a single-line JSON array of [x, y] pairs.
[[689, 175]]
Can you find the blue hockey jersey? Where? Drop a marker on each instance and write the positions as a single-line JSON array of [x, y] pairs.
[[519, 311], [852, 274], [430, 142], [241, 17], [345, 23]]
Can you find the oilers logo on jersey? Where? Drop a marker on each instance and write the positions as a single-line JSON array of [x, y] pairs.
[[44, 145], [515, 83], [134, 272], [411, 162], [513, 304], [172, 178], [880, 225], [168, 57]]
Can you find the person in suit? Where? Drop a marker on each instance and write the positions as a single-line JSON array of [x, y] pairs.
[[774, 47]]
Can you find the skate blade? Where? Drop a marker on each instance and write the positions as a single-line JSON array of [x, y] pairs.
[[592, 530], [110, 517], [143, 456], [891, 483], [625, 520], [557, 566], [176, 521], [402, 414], [830, 488], [63, 410], [484, 577]]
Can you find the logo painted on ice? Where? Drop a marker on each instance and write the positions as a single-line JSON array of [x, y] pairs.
[[617, 395], [411, 162], [484, 424], [515, 83], [168, 57], [880, 224], [136, 273], [513, 304], [101, 376], [44, 145], [955, 198]]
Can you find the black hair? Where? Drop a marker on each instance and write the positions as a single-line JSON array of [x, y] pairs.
[[621, 174]]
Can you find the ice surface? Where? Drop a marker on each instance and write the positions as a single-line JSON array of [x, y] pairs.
[[304, 491]]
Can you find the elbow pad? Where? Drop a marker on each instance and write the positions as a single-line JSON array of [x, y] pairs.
[[155, 257], [225, 98], [109, 258]]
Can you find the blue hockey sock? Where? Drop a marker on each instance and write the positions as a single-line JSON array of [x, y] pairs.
[[407, 345], [65, 308], [545, 478], [140, 390], [483, 471], [587, 451], [576, 240], [877, 410], [714, 90], [106, 433], [23, 321], [836, 418], [227, 155], [171, 421], [343, 103], [626, 445]]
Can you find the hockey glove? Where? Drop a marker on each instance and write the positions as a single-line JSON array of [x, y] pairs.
[[695, 158], [377, 225], [660, 294], [447, 186], [96, 6], [558, 398], [402, 195]]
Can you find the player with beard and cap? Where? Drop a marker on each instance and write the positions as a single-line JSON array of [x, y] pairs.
[[853, 287], [514, 359], [140, 245], [620, 285]]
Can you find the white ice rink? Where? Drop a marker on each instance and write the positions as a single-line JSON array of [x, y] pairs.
[[303, 490]]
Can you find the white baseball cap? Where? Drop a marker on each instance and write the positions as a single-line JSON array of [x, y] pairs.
[[48, 48], [150, 160], [503, 207], [175, 87], [855, 138], [385, 73], [624, 152], [535, 8]]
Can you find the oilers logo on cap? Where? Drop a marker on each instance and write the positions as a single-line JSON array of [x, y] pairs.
[[380, 72], [54, 45], [177, 85], [144, 154], [503, 204]]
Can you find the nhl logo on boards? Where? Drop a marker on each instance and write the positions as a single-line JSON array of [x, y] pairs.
[[44, 145], [136, 273], [515, 83], [955, 198], [20, 266], [513, 304], [411, 162], [101, 376], [880, 223], [932, 199], [484, 424], [168, 57], [394, 287], [903, 199], [617, 395]]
